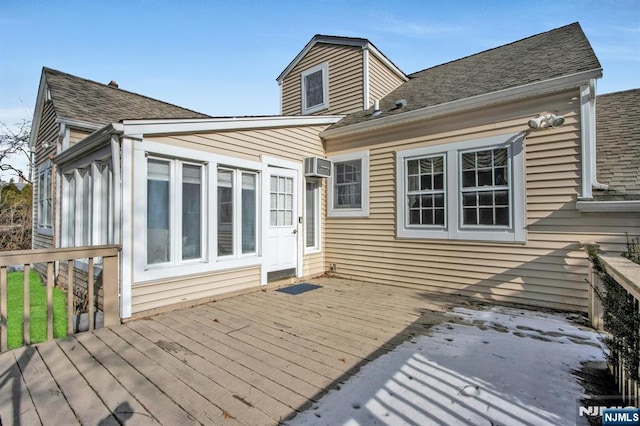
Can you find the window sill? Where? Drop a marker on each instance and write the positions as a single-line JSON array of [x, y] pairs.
[[315, 109], [45, 231], [171, 271], [312, 250], [491, 236], [347, 213]]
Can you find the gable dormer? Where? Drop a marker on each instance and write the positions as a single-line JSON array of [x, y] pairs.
[[336, 75]]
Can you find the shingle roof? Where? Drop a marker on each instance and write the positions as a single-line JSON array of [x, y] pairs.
[[559, 52], [80, 99], [618, 144]]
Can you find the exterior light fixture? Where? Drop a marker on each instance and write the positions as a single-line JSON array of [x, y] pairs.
[[546, 120]]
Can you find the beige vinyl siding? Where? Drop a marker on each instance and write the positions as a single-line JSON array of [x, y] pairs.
[[345, 80], [289, 143], [47, 133], [381, 80], [76, 136], [549, 270], [192, 288]]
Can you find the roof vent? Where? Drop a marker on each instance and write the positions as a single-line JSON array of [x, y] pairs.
[[113, 83], [376, 108], [401, 103]]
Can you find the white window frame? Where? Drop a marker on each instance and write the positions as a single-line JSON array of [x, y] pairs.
[[324, 69], [137, 211], [175, 213], [363, 210], [45, 210], [237, 211], [317, 246], [453, 229]]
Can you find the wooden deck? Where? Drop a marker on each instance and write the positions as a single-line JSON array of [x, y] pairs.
[[254, 359]]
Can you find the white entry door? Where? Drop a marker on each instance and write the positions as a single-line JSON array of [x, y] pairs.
[[282, 247]]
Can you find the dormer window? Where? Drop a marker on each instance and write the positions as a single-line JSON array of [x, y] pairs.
[[315, 89]]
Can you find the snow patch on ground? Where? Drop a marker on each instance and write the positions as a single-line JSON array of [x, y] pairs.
[[502, 366]]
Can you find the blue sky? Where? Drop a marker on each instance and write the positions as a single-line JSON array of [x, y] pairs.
[[222, 58]]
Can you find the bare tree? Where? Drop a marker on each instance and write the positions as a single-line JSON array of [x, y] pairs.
[[15, 217], [14, 149]]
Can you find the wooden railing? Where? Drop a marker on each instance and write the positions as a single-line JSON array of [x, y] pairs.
[[627, 275], [63, 261]]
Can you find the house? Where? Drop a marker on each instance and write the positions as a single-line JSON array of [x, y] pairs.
[[474, 177]]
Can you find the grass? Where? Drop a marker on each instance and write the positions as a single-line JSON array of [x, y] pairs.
[[38, 304]]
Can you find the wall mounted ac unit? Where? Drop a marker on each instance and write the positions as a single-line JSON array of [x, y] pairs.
[[317, 167]]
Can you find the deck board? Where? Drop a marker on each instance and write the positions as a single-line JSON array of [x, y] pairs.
[[86, 405], [254, 359]]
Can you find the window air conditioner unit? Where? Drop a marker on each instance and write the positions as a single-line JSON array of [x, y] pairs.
[[316, 166]]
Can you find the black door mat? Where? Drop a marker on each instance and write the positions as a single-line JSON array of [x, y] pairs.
[[299, 288]]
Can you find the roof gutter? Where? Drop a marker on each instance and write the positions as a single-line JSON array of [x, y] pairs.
[[146, 127], [609, 206], [515, 93]]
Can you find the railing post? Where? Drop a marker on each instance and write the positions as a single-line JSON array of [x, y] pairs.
[[50, 280], [110, 290], [90, 296], [26, 328], [3, 308], [70, 307]]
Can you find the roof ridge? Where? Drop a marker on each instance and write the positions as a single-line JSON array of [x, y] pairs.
[[620, 92], [102, 85], [497, 47]]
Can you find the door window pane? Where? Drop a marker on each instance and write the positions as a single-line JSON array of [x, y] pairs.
[[281, 201], [191, 211], [158, 207]]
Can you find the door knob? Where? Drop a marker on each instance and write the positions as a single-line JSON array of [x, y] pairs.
[[295, 231]]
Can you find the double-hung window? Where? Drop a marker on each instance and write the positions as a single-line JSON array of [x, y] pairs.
[[348, 193], [237, 212], [175, 211], [472, 190], [315, 89]]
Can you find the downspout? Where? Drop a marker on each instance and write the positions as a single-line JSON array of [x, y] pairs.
[[365, 77], [588, 133], [594, 178]]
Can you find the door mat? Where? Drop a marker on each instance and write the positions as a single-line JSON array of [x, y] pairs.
[[299, 288]]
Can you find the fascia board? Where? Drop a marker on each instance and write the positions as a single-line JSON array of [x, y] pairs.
[[37, 112], [79, 124], [608, 206], [149, 127], [479, 101], [90, 144], [315, 40], [397, 71]]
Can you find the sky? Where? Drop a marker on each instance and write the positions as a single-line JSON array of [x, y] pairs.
[[222, 58]]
